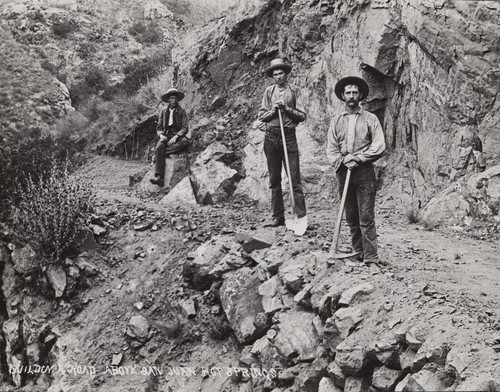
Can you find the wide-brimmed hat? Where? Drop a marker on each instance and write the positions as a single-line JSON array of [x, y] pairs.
[[278, 64], [172, 91], [349, 80]]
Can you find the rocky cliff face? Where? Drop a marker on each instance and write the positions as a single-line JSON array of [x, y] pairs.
[[431, 66]]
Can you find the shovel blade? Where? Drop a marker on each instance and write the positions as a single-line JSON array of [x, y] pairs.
[[297, 225]]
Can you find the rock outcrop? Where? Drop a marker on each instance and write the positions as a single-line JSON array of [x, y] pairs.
[[476, 197], [430, 67]]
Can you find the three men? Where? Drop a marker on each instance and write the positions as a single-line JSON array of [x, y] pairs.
[[283, 97], [172, 128], [355, 140]]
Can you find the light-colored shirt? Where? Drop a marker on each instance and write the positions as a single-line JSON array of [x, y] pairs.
[[290, 96], [171, 116], [366, 139]]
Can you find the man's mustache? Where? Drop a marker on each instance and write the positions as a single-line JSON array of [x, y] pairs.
[[351, 100]]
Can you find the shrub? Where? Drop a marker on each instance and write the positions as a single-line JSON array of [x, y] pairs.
[[412, 215], [64, 28], [93, 81], [147, 34], [51, 211], [73, 126], [140, 71], [29, 154]]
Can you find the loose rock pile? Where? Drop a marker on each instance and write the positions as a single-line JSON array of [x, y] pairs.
[[331, 329]]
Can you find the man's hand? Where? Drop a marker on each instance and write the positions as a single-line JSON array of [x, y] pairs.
[[349, 158], [351, 165], [263, 126], [279, 105], [163, 138], [351, 161], [172, 141]]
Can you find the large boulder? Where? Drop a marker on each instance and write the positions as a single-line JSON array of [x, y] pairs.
[[198, 268], [213, 181], [271, 295], [297, 335], [242, 304], [182, 193], [351, 356], [475, 197], [385, 379], [430, 378], [255, 184]]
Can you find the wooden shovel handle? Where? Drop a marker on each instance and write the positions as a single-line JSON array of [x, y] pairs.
[[289, 175]]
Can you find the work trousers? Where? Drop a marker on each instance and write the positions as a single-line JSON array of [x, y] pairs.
[[360, 209], [162, 150], [273, 148]]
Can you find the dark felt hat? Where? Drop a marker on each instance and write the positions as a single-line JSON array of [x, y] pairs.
[[278, 64], [349, 80], [170, 92]]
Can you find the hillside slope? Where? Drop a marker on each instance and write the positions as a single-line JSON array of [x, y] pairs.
[[186, 298]]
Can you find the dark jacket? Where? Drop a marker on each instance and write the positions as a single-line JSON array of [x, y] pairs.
[[179, 127]]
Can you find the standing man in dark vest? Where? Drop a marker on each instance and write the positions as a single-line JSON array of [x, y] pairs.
[[355, 140], [172, 128], [285, 97]]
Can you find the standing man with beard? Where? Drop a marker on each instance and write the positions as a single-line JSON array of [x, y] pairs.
[[355, 140], [283, 97], [172, 128]]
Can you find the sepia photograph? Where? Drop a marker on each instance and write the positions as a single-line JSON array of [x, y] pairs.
[[249, 195]]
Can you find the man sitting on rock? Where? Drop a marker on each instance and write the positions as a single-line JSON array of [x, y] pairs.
[[172, 128]]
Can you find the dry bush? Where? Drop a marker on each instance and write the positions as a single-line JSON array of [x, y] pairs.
[[93, 81], [412, 214], [150, 94], [32, 153], [140, 71], [64, 28], [146, 33], [74, 126], [52, 210]]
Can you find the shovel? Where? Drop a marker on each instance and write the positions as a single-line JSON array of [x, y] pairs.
[[297, 225], [334, 253]]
